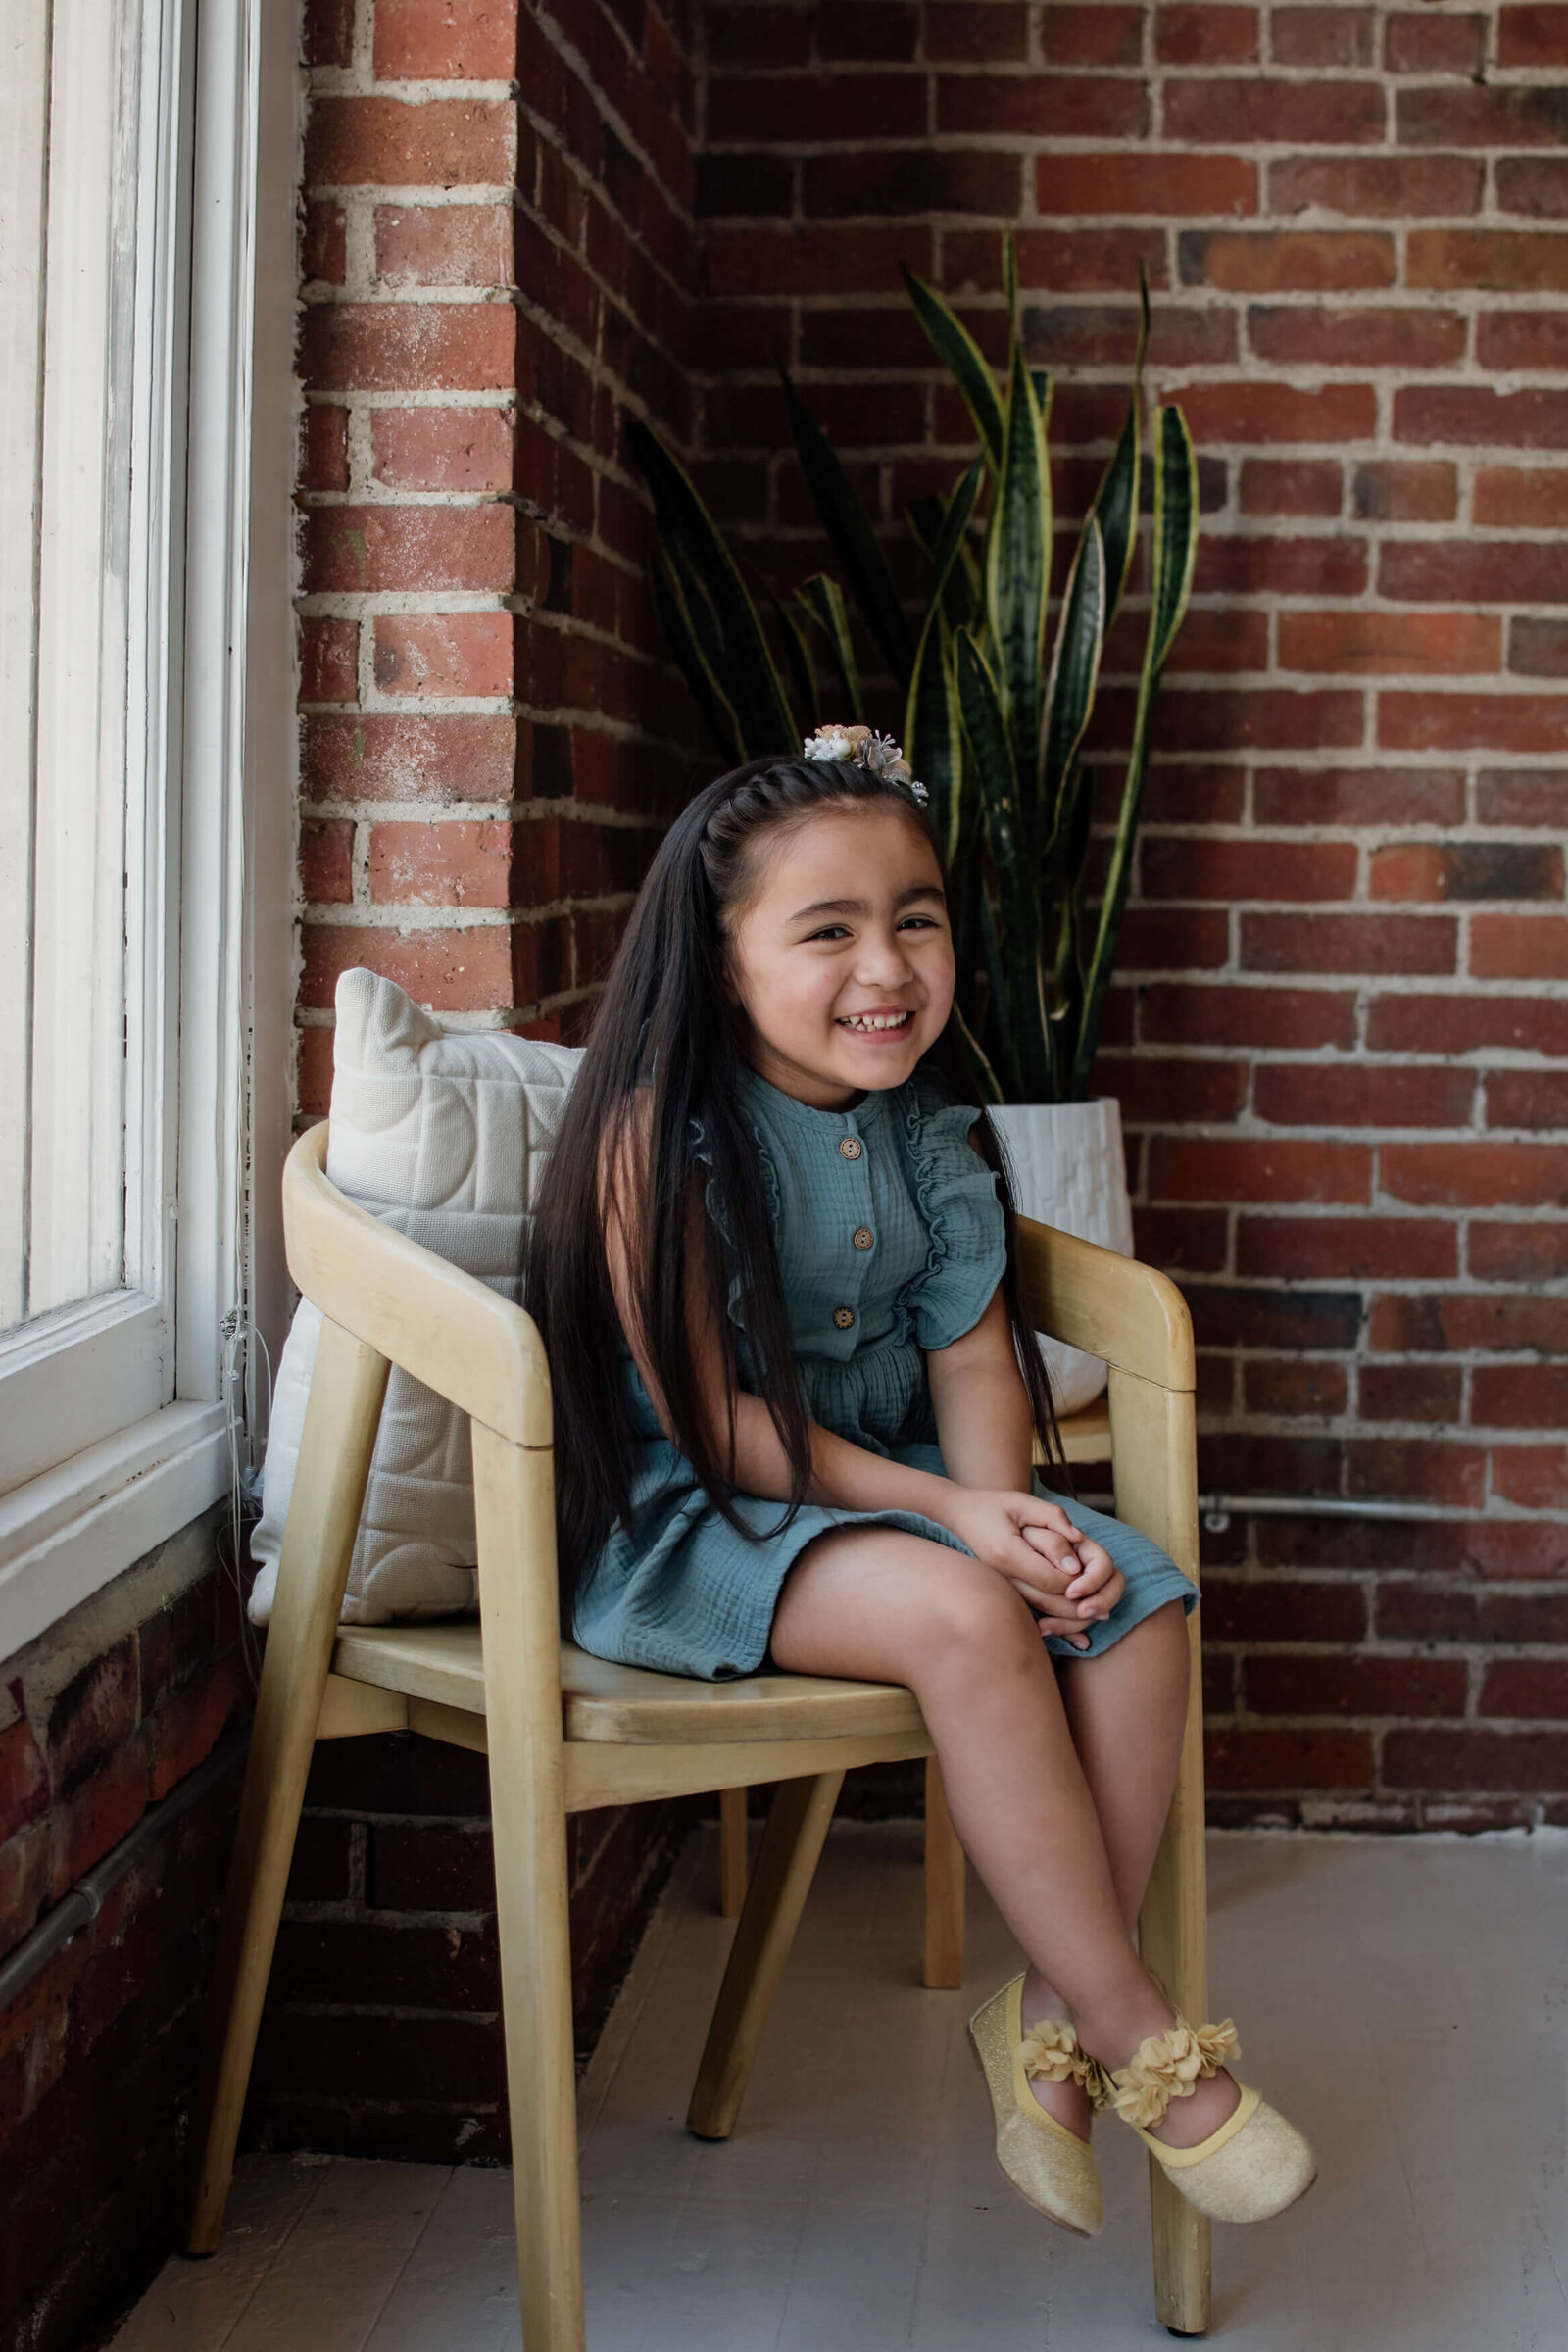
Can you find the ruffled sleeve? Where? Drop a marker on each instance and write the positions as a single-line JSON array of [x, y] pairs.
[[957, 1197]]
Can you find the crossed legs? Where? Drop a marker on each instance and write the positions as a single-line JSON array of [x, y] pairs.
[[1059, 1791]]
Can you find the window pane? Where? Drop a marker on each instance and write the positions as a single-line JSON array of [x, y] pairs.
[[69, 371]]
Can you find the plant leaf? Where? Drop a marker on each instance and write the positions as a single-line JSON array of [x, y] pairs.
[[735, 649], [847, 526], [1017, 952], [1173, 554], [1018, 567], [932, 731], [823, 599], [797, 656], [954, 344], [1074, 668], [676, 623]]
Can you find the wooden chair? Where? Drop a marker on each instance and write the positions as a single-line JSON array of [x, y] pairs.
[[565, 1731]]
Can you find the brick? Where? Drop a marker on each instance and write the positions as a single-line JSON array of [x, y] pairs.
[[1419, 1610], [1083, 262], [1322, 36], [1227, 1315], [459, 245], [1348, 942], [442, 449], [1471, 571], [1429, 1469], [1530, 495], [1525, 796], [1409, 1391], [449, 653], [95, 1713], [1287, 1388], [408, 347], [738, 185], [1421, 42], [1495, 1322], [448, 971], [324, 252], [1498, 1251], [1156, 939], [326, 861], [818, 261], [1167, 1091], [1373, 795], [1534, 1477], [1165, 186], [753, 110], [1537, 1687], [388, 143], [1464, 1024], [1505, 947], [1480, 117], [1176, 868], [1457, 722], [1539, 648], [1304, 1017], [1497, 261], [1192, 33], [1406, 490], [1099, 34], [1305, 114], [1488, 1175], [1367, 337], [1528, 1099], [323, 456], [1481, 418], [1532, 36], [434, 1867], [1181, 1239], [1291, 486], [327, 32], [750, 35], [1519, 1396], [403, 757], [1386, 643], [1102, 335], [1536, 185], [371, 548], [1348, 1249], [461, 40], [328, 661], [915, 179], [1223, 1169], [1530, 1761], [1481, 869], [1037, 106], [1270, 719], [1240, 414], [463, 864], [1275, 1609], [1289, 1760], [25, 1790], [1342, 1686], [1276, 261], [871, 31], [1261, 565], [1376, 187], [1365, 1094], [1522, 342]]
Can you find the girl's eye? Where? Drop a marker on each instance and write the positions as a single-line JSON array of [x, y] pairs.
[[840, 930]]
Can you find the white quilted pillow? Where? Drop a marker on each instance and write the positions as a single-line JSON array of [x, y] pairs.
[[444, 1134]]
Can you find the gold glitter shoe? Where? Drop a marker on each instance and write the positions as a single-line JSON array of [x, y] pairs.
[[1050, 2167], [1253, 2167]]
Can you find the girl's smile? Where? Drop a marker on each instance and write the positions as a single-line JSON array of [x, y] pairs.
[[842, 993]]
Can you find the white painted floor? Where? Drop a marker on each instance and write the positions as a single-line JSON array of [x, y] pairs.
[[1405, 2000]]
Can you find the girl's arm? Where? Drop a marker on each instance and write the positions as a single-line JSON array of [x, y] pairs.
[[984, 1423]]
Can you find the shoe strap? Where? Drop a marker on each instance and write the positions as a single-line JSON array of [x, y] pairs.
[[1049, 2049], [1166, 2066]]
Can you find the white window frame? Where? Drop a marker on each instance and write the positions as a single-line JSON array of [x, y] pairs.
[[142, 1369]]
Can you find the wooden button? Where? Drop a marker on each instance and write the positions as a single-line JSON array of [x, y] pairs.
[[849, 1146], [844, 1316], [864, 1237]]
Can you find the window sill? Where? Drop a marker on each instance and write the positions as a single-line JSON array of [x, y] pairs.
[[66, 1535]]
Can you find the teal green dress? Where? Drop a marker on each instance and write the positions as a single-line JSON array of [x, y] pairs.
[[890, 1242]]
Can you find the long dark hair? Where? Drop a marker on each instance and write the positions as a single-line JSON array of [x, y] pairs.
[[664, 1019]]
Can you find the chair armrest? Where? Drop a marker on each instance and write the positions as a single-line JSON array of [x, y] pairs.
[[467, 1343], [1108, 1306]]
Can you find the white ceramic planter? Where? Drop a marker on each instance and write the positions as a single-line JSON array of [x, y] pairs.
[[1069, 1170]]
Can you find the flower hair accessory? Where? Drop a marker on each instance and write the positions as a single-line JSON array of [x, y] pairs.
[[862, 746]]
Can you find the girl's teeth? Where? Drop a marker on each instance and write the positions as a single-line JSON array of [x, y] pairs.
[[890, 1021]]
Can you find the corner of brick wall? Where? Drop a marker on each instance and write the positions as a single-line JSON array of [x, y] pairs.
[[103, 1715], [1339, 1031]]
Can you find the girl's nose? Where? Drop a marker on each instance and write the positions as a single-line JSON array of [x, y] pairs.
[[885, 959]]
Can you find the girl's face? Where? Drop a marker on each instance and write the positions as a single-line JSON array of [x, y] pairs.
[[840, 958]]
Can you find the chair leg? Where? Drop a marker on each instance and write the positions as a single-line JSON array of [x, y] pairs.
[[785, 1866], [514, 1512], [943, 1888], [1174, 1936], [732, 1851], [347, 1388]]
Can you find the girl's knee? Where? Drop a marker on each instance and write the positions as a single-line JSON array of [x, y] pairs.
[[971, 1617]]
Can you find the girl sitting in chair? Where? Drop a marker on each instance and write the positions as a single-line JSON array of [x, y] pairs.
[[771, 1265]]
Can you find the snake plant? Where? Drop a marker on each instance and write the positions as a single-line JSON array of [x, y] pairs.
[[996, 707]]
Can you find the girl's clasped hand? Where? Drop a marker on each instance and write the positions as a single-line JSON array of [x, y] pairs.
[[1069, 1580]]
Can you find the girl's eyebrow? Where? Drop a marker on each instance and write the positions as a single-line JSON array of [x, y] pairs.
[[916, 890]]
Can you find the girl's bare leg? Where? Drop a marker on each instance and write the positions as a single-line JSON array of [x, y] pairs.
[[881, 1605]]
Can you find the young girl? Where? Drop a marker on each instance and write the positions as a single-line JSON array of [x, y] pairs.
[[797, 1405]]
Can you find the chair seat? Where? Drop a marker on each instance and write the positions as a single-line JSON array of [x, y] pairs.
[[628, 1705]]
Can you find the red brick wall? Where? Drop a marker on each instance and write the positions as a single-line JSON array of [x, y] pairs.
[[1338, 1032], [103, 1715]]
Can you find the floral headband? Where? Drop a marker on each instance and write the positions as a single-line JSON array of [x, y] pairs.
[[862, 746]]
